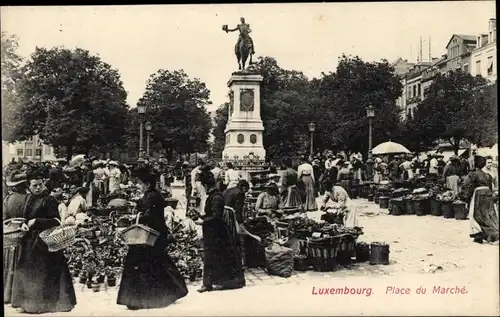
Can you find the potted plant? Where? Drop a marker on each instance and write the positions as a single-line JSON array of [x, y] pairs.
[[83, 277], [96, 286]]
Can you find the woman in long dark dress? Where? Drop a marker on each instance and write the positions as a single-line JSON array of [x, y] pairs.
[[150, 278], [42, 281], [222, 267], [13, 207], [483, 218], [289, 180], [344, 177]]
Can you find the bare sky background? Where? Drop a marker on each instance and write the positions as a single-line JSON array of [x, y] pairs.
[[139, 40]]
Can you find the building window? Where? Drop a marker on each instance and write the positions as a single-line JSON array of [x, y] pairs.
[[419, 89], [20, 152], [466, 68], [38, 152], [48, 150], [490, 65], [478, 68], [29, 152], [414, 91]]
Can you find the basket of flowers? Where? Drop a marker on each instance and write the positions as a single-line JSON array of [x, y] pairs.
[[14, 230], [447, 198], [58, 238], [460, 210], [138, 234]]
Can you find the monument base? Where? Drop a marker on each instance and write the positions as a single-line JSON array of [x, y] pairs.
[[243, 151]]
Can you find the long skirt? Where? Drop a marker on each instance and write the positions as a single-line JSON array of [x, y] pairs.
[[150, 278], [483, 218], [310, 201], [452, 183], [10, 258], [291, 197], [222, 264], [42, 281]]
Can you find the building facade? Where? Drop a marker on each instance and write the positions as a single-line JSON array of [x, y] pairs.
[[483, 59], [31, 150]]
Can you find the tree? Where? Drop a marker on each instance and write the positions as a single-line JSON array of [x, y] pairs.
[[11, 73], [72, 100], [221, 117], [176, 107], [344, 97], [454, 109]]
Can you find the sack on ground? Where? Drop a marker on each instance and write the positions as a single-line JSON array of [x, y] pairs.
[[279, 260]]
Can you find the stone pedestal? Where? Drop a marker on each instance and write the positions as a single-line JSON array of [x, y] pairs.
[[244, 129]]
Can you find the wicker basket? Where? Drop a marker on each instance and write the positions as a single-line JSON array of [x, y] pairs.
[[14, 230], [138, 234], [58, 238], [323, 254]]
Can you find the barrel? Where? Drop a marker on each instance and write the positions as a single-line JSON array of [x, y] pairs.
[[436, 207], [447, 209], [384, 202], [421, 206], [362, 252], [460, 210], [379, 254], [409, 206], [397, 207]]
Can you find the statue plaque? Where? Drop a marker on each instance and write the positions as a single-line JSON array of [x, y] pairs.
[[246, 100]]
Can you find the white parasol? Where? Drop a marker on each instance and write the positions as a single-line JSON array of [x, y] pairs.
[[389, 148], [77, 160]]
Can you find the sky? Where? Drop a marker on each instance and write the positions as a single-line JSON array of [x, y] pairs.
[[140, 40]]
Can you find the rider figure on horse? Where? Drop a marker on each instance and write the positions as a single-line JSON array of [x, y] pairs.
[[244, 35]]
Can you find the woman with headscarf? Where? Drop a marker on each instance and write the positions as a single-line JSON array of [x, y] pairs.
[[339, 195], [289, 179], [222, 267], [305, 173], [150, 278], [42, 281], [13, 207], [483, 218]]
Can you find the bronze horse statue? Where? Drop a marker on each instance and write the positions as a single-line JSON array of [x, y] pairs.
[[243, 50]]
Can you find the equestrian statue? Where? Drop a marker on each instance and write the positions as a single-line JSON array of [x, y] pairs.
[[244, 48]]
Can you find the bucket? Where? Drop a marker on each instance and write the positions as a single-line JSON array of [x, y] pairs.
[[353, 193], [421, 207], [460, 210], [300, 264], [362, 252], [447, 209], [370, 197], [397, 207], [384, 202], [409, 206], [375, 199], [379, 253], [436, 208]]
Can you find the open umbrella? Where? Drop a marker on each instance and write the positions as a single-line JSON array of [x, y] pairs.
[[77, 160], [389, 148]]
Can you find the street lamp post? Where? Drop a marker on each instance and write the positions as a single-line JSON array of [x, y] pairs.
[[148, 132], [312, 128], [141, 110], [370, 113]]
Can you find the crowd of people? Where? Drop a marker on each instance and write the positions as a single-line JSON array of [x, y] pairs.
[[47, 195]]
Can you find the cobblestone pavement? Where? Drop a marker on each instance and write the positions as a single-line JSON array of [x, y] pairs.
[[425, 252]]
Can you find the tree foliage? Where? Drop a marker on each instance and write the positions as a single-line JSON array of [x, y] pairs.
[[457, 107], [11, 73], [176, 107], [71, 99]]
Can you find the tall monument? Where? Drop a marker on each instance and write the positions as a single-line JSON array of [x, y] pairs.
[[244, 129]]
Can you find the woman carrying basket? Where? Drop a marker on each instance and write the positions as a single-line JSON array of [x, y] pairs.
[[150, 278], [42, 281], [13, 207]]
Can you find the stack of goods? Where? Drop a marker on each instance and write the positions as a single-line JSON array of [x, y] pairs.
[[446, 200], [421, 201], [184, 248], [397, 203], [254, 250], [384, 189], [279, 260]]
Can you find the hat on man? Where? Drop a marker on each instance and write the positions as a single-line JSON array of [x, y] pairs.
[[57, 192], [271, 184], [16, 178], [113, 163], [454, 158]]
